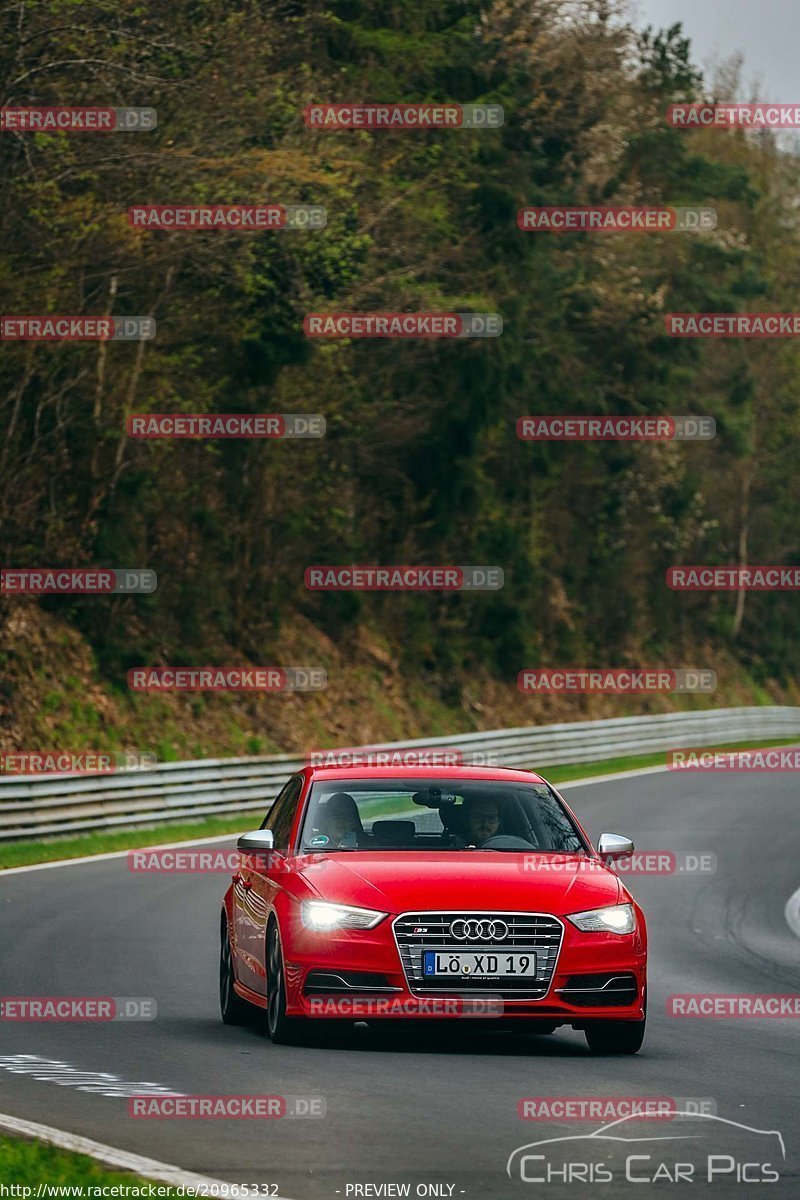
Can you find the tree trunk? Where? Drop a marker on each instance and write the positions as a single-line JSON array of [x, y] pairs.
[[744, 530]]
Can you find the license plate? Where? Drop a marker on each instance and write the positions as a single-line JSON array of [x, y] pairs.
[[484, 964]]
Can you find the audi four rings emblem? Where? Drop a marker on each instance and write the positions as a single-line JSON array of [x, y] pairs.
[[476, 930]]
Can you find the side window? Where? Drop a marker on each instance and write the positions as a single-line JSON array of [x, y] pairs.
[[560, 831], [275, 806], [280, 816]]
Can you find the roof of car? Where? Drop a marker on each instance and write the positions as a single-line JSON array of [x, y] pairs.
[[375, 771]]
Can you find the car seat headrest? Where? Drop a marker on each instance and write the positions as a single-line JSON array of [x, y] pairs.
[[393, 833]]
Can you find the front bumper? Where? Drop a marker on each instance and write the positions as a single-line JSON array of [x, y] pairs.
[[360, 975]]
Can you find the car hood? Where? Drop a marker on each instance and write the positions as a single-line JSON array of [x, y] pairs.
[[405, 881]]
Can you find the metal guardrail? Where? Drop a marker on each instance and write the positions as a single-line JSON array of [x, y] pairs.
[[39, 805]]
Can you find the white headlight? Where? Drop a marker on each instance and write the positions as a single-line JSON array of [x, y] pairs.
[[617, 918], [318, 915]]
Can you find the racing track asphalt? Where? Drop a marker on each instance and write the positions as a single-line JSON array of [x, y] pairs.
[[418, 1108]]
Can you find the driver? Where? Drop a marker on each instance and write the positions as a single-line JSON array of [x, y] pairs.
[[482, 819], [341, 820]]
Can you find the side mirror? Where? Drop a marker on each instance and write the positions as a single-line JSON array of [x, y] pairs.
[[614, 845], [259, 839]]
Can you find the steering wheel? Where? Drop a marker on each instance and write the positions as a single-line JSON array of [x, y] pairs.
[[505, 841]]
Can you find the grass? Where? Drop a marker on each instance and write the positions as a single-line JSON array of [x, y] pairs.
[[20, 854], [28, 1163]]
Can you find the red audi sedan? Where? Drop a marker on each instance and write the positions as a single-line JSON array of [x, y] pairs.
[[373, 892]]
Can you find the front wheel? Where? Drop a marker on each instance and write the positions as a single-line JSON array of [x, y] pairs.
[[615, 1037], [281, 1029]]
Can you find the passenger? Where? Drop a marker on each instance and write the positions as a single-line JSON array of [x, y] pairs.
[[340, 819]]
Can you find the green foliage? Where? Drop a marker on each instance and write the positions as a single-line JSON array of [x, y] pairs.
[[421, 462], [24, 1162]]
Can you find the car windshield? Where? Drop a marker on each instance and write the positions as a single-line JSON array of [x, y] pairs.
[[417, 814]]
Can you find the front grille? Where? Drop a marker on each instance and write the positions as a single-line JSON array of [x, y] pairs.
[[537, 932], [599, 991]]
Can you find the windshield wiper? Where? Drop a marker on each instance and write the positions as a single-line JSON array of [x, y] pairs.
[[329, 849]]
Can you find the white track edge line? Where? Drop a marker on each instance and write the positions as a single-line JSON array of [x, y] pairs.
[[124, 1160], [589, 779]]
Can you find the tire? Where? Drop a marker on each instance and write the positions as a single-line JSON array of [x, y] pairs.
[[282, 1030], [615, 1037], [233, 1009]]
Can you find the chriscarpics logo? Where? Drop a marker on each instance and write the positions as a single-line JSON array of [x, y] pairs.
[[696, 1148]]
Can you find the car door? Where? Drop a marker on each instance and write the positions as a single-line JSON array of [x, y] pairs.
[[253, 891]]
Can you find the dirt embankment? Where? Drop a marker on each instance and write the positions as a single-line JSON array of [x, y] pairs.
[[53, 697]]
